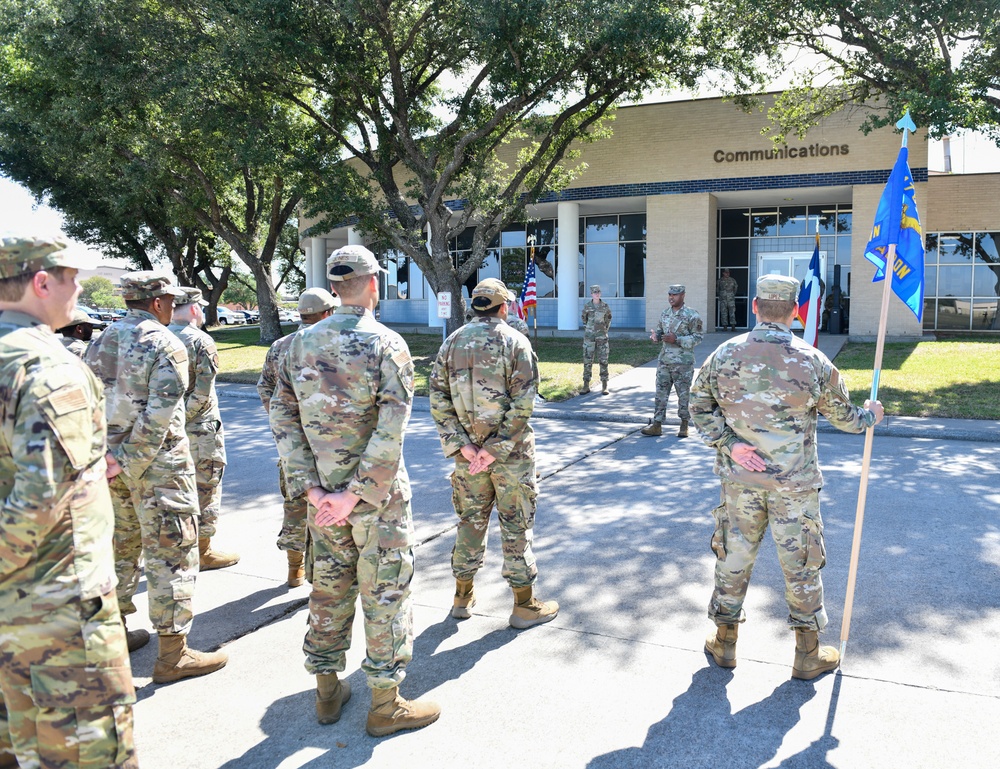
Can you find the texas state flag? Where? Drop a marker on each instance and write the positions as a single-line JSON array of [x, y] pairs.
[[810, 299]]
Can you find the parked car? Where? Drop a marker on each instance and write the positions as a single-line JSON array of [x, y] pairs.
[[289, 316], [252, 316], [230, 318]]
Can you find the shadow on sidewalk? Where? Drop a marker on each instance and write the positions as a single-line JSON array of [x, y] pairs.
[[702, 731]]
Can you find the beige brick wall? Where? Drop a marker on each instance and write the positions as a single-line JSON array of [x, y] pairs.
[[961, 203], [680, 248], [866, 297]]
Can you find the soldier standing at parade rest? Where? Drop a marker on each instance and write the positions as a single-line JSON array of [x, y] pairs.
[[204, 423], [482, 390], [315, 304], [596, 320], [727, 301], [756, 402], [144, 369], [66, 688], [77, 334], [345, 389], [679, 331]]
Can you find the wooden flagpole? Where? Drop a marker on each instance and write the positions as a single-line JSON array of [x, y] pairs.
[[859, 518]]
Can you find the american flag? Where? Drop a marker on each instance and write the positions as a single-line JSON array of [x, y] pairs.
[[529, 294]]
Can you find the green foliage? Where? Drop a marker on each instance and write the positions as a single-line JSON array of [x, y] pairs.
[[100, 292], [241, 290]]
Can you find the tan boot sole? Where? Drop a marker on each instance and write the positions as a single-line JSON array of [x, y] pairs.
[[179, 674], [393, 727], [463, 612], [809, 675], [519, 623], [722, 662]]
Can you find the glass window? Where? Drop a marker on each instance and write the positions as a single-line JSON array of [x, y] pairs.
[[931, 248], [544, 231], [512, 268], [601, 229], [464, 240], [827, 217], [955, 248], [490, 268], [734, 223], [545, 271], [602, 266], [843, 249], [632, 227], [793, 220], [984, 280], [763, 222], [581, 269], [984, 314], [955, 281], [734, 253], [845, 217], [986, 247], [930, 319], [513, 236], [930, 279], [418, 289], [953, 314], [633, 276]]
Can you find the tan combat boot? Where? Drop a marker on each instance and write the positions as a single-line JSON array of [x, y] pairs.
[[213, 559], [135, 639], [391, 713], [811, 659], [683, 431], [331, 695], [296, 568], [586, 385], [604, 387], [177, 661], [465, 599], [722, 645], [529, 611], [654, 429]]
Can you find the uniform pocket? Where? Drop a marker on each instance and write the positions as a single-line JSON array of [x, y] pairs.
[[813, 547], [178, 516], [720, 533], [56, 686]]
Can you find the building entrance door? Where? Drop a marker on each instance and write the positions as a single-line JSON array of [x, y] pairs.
[[794, 263]]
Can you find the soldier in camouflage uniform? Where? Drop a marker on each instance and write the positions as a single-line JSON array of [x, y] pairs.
[[77, 334], [516, 323], [679, 331], [204, 423], [596, 320], [315, 304], [144, 369], [66, 689], [756, 401], [482, 390], [726, 290], [345, 388]]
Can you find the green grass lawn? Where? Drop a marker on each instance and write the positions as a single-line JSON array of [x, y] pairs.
[[954, 378]]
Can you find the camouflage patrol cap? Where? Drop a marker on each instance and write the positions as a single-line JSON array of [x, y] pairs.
[[21, 256], [352, 262], [316, 300], [595, 289], [137, 286], [79, 318], [490, 293], [780, 287], [191, 296], [676, 288]]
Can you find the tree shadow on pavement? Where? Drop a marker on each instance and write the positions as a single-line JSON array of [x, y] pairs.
[[702, 731]]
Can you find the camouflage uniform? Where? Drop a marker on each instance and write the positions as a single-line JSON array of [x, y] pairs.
[[675, 368], [144, 369], [345, 388], [766, 389], [296, 508], [203, 423], [727, 301], [76, 346], [596, 320], [66, 688], [517, 324], [482, 391]]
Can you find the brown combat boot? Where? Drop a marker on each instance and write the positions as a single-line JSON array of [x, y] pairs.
[[331, 695], [135, 639], [654, 429], [213, 559], [465, 599], [391, 713], [529, 611], [296, 568], [683, 431], [811, 659], [177, 661], [604, 387], [722, 645]]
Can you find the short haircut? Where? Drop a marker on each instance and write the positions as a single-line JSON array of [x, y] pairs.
[[314, 317], [488, 313], [140, 304], [774, 310], [12, 289], [352, 288]]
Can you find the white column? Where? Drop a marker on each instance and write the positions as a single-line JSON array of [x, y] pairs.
[[567, 276], [317, 273], [354, 237], [306, 246]]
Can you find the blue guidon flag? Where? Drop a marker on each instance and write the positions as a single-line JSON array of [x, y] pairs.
[[897, 221]]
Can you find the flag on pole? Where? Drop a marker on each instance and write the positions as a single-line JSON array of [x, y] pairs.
[[529, 294], [897, 221], [810, 298]]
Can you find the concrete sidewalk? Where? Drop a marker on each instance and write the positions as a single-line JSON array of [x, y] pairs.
[[619, 679]]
